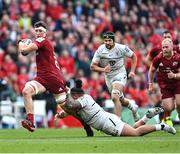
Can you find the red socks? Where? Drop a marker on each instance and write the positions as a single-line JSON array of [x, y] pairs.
[[30, 117], [166, 114]]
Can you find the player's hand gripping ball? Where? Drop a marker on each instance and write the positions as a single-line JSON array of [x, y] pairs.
[[26, 42]]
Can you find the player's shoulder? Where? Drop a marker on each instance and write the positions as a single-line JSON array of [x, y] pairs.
[[40, 39], [88, 99], [176, 55], [84, 99], [87, 96], [156, 48], [159, 56], [120, 46], [176, 48], [101, 48]]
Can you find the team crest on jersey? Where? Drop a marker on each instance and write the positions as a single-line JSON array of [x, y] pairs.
[[60, 89], [112, 62], [175, 63], [161, 64], [40, 39], [117, 53]]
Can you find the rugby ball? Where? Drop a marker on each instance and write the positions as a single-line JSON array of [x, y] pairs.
[[26, 41]]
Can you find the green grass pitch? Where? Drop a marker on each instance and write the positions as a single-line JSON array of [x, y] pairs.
[[73, 140]]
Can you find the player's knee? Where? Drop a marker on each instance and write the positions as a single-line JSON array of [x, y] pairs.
[[116, 94], [135, 125], [30, 89], [167, 108], [27, 90], [138, 124], [137, 132], [178, 107]]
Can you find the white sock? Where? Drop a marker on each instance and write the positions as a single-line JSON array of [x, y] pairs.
[[145, 119], [158, 127], [130, 105]]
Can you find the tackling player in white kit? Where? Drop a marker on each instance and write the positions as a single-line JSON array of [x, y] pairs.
[[109, 58], [85, 107]]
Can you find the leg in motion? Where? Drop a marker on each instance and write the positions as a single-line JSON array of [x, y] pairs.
[[146, 129], [31, 88], [177, 97], [168, 106], [150, 113]]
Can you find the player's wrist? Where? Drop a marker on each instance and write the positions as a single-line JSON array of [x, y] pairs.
[[175, 75]]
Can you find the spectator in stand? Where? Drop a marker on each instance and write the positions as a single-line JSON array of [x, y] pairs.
[[67, 63], [54, 10], [25, 6], [83, 63], [22, 78], [25, 22], [138, 91], [9, 66], [97, 88]]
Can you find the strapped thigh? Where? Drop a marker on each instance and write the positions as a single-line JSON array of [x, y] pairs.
[[36, 86], [117, 92], [33, 86]]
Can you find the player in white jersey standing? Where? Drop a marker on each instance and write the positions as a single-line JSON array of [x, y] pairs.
[[109, 58], [91, 113]]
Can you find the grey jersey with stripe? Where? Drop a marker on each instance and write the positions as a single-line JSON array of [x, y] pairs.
[[113, 57], [97, 118], [91, 112]]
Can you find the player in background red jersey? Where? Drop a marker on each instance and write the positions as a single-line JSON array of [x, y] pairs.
[[157, 49], [148, 60], [167, 68]]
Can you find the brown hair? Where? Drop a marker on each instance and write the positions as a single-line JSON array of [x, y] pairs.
[[40, 24]]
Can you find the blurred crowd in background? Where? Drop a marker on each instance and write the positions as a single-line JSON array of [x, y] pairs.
[[76, 28]]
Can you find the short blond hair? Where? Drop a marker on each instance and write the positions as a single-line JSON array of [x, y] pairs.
[[167, 40]]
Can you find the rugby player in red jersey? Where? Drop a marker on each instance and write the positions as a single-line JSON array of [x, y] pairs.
[[49, 76], [167, 68], [148, 60], [157, 49]]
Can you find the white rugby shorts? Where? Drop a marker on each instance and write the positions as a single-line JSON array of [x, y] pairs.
[[120, 78]]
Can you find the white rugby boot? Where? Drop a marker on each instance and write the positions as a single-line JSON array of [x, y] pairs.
[[154, 111], [167, 128]]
